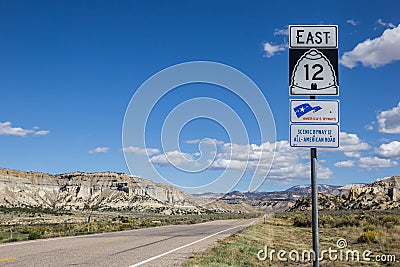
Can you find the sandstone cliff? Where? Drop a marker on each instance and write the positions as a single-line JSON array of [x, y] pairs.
[[79, 191]]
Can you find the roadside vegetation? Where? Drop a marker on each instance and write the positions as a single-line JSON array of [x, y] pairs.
[[25, 224], [376, 231]]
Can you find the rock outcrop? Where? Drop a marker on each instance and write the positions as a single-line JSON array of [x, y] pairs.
[[79, 191], [381, 195]]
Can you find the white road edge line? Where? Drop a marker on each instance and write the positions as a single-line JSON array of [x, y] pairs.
[[187, 245]]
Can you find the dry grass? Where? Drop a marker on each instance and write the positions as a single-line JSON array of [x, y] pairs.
[[279, 233], [36, 223]]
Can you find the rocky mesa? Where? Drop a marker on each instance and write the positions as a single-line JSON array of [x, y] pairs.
[[79, 191]]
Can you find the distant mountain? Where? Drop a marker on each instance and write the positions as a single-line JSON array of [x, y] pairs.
[[260, 201], [273, 201], [307, 188]]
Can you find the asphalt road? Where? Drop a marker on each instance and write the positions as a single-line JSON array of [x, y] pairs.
[[157, 246]]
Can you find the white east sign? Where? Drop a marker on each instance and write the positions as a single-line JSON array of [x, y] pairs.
[[308, 36], [314, 111], [312, 135]]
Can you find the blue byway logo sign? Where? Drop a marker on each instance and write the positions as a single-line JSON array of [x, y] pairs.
[[314, 111], [303, 109]]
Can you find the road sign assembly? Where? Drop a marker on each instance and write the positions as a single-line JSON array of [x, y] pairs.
[[313, 71]]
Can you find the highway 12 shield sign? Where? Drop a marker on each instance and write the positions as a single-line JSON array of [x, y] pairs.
[[313, 60]]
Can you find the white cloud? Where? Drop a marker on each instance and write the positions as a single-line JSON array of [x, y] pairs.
[[271, 49], [212, 141], [376, 52], [7, 129], [384, 140], [352, 154], [141, 151], [284, 31], [376, 163], [249, 152], [298, 171], [193, 141], [173, 157], [232, 164], [288, 163], [346, 164], [100, 149], [369, 127], [388, 151], [351, 142], [352, 22], [385, 24], [389, 120], [208, 141], [42, 132]]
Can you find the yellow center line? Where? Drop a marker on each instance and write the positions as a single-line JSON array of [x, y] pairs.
[[8, 259]]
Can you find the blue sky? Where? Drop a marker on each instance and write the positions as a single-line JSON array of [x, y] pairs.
[[68, 70]]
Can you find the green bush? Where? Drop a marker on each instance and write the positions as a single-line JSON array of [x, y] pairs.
[[34, 235], [302, 221]]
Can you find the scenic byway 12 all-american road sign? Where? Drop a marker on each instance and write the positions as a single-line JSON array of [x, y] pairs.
[[314, 111], [314, 123], [312, 135], [313, 60]]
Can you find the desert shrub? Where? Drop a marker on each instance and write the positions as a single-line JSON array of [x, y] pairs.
[[34, 235], [124, 219], [395, 220], [389, 225], [124, 226], [326, 221], [372, 219], [301, 221], [346, 220], [369, 227], [144, 223], [189, 222], [368, 237], [24, 230]]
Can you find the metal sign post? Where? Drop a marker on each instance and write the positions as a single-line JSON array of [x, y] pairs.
[[314, 203], [314, 189], [313, 70]]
